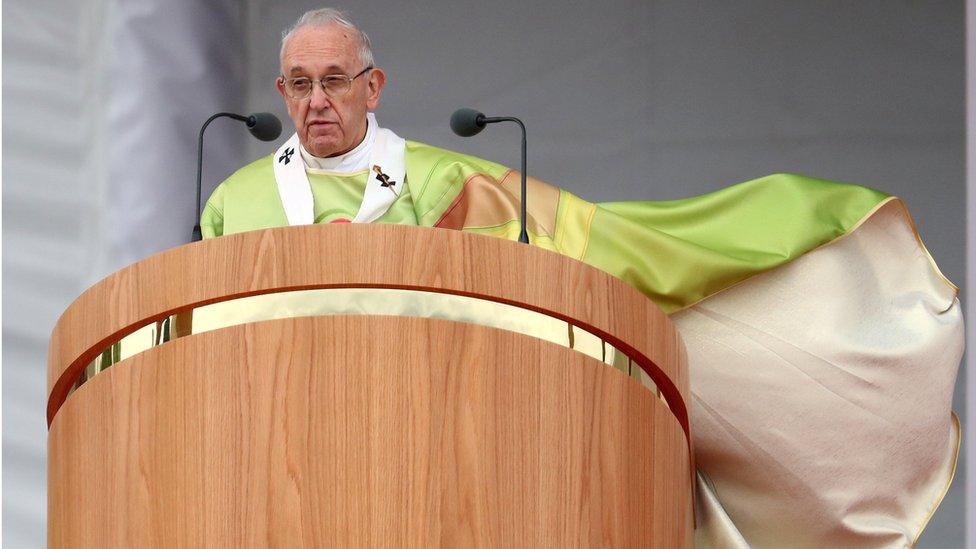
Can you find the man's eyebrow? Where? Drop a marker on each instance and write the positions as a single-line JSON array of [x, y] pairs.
[[331, 69]]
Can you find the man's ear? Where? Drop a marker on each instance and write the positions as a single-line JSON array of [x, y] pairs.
[[377, 79], [280, 84]]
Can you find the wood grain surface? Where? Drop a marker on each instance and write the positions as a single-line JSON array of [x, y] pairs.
[[365, 431], [382, 256]]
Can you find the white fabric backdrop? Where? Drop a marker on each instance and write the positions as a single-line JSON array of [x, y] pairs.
[[631, 100], [53, 192], [103, 101]]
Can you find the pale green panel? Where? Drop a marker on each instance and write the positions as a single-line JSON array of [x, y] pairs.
[[680, 252]]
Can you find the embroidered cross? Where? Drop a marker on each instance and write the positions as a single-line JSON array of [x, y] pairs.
[[286, 157], [382, 177]]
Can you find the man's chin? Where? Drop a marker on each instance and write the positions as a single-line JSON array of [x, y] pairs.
[[323, 148]]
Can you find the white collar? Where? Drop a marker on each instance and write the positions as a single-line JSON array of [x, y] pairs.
[[353, 161], [382, 152]]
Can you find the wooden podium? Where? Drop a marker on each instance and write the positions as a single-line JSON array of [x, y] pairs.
[[312, 430]]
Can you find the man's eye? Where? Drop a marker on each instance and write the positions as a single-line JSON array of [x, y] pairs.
[[302, 84]]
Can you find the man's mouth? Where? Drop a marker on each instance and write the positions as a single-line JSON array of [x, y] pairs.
[[321, 127]]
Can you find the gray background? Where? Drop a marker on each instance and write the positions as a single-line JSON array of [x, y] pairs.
[[626, 100]]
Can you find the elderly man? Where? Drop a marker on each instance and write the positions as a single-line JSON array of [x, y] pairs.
[[823, 342]]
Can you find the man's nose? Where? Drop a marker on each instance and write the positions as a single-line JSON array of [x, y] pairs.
[[318, 100]]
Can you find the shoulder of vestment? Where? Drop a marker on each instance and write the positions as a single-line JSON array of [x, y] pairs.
[[436, 176], [259, 172]]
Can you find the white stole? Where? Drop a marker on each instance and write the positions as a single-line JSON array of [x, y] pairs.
[[387, 165]]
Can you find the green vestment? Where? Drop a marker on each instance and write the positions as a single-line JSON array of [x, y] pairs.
[[676, 252]]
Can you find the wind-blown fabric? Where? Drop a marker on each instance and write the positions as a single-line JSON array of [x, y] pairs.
[[822, 391], [823, 342]]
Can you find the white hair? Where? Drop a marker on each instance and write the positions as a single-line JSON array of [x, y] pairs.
[[330, 16]]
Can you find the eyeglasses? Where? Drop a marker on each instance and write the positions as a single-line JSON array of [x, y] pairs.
[[333, 85]]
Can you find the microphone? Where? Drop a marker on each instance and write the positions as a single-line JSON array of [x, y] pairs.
[[467, 122], [263, 125]]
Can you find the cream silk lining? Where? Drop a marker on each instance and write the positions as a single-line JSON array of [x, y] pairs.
[[821, 395]]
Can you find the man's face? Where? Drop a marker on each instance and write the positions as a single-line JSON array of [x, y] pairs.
[[329, 126]]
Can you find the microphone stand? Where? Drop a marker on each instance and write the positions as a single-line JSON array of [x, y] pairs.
[[197, 233], [523, 234], [262, 125]]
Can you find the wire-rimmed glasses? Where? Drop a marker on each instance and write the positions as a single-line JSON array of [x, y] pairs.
[[333, 85]]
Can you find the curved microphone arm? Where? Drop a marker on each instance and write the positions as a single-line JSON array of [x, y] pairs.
[[197, 233], [467, 122], [523, 233]]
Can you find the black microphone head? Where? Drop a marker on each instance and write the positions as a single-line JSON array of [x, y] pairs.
[[264, 125], [467, 122]]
